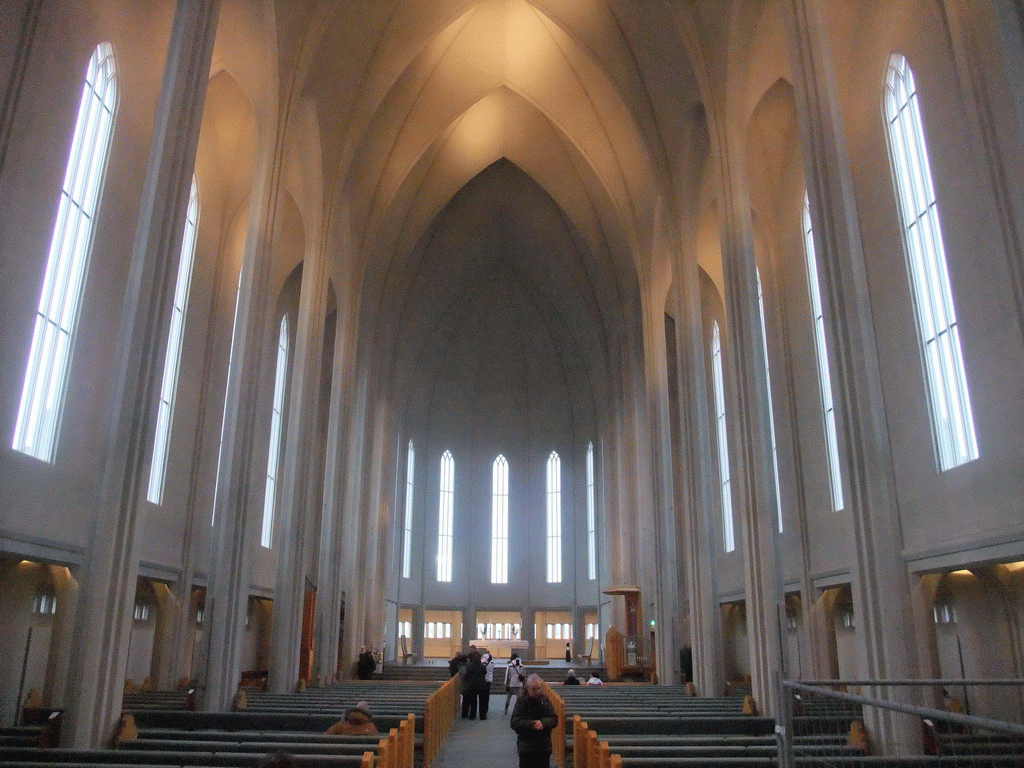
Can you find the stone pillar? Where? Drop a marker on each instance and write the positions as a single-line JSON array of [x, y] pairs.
[[880, 583], [352, 571], [379, 521], [750, 432], [164, 651], [333, 534], [416, 641], [110, 567], [528, 634], [62, 634], [923, 589], [237, 517], [697, 483], [821, 632], [297, 508], [469, 622], [237, 508]]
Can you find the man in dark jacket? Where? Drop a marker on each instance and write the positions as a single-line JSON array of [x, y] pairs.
[[533, 719], [366, 665], [473, 681]]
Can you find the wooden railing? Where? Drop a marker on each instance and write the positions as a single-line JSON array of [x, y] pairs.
[[587, 751], [397, 749], [439, 718], [558, 734]]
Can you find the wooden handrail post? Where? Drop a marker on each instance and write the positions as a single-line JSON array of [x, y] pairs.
[[591, 749]]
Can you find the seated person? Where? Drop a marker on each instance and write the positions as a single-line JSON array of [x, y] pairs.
[[571, 679], [594, 679], [357, 721]]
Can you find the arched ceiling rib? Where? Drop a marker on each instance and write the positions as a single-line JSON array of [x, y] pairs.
[[501, 45], [593, 102], [462, 153]]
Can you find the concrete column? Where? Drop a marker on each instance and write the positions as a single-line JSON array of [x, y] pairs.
[[110, 567], [167, 616], [237, 508], [880, 584], [380, 519], [66, 587], [528, 634], [469, 622], [297, 508], [416, 641], [923, 590], [332, 526], [352, 573], [697, 497], [750, 435], [823, 645]]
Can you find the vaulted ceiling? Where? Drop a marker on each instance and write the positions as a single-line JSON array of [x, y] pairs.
[[580, 125]]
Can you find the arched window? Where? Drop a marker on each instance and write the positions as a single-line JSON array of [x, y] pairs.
[[591, 515], [410, 469], [554, 518], [499, 521], [274, 450], [446, 518], [948, 396], [724, 475], [172, 356], [771, 414], [824, 373], [60, 301]]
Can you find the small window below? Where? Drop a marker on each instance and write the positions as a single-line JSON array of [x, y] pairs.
[[45, 605], [944, 613]]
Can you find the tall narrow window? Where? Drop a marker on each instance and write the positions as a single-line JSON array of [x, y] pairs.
[[172, 356], [591, 515], [948, 396], [274, 451], [499, 521], [771, 410], [824, 373], [410, 470], [446, 518], [725, 477], [554, 517], [46, 374], [224, 412]]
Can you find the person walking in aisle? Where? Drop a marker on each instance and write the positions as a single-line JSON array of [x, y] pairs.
[[533, 719], [485, 691], [515, 677], [472, 683]]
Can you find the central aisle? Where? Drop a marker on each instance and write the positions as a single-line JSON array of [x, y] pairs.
[[481, 744]]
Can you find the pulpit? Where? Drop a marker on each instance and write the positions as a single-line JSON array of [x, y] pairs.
[[629, 654]]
